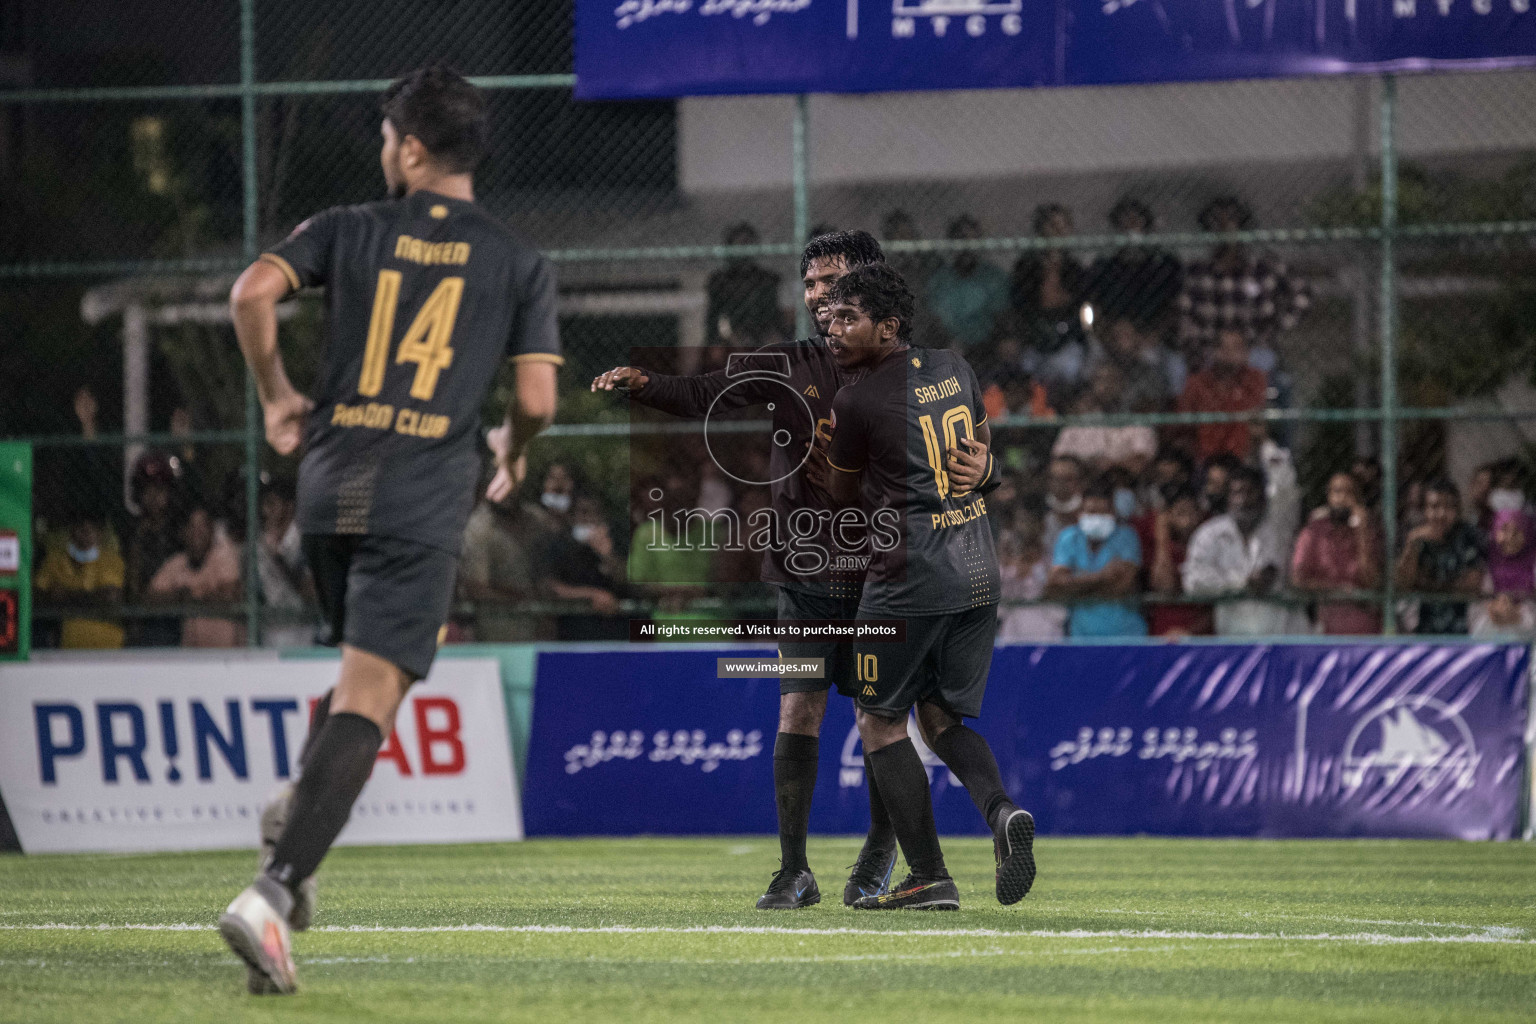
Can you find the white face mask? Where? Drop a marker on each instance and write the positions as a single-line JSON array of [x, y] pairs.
[[1506, 499], [583, 532], [84, 556], [1096, 526], [555, 502], [1063, 507]]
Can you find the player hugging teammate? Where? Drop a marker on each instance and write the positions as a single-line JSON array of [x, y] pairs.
[[822, 374]]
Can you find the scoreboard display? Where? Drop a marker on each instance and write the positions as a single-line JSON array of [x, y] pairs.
[[15, 550]]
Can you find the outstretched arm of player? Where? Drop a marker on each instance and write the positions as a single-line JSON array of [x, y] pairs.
[[532, 409], [691, 396], [253, 308]]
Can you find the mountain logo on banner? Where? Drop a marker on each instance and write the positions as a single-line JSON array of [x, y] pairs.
[[1418, 735], [851, 767]]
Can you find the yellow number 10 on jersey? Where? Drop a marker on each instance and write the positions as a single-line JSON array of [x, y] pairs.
[[957, 417], [425, 344]]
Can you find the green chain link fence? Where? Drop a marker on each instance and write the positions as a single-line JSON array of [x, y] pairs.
[[148, 152]]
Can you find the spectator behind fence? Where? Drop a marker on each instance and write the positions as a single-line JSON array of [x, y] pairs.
[[1171, 472], [1237, 289], [968, 294], [497, 567], [578, 562], [1215, 481], [84, 569], [1366, 470], [742, 298], [1102, 448], [205, 571], [155, 537], [1168, 548], [1025, 569], [287, 592], [1138, 282], [669, 557], [1443, 555], [1340, 549], [1098, 557], [1241, 552], [1228, 385], [1046, 293], [1064, 480], [1511, 578], [1155, 375]]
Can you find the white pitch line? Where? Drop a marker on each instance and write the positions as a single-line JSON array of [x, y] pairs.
[[1493, 936]]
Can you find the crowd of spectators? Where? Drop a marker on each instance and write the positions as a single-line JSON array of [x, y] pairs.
[[1108, 528]]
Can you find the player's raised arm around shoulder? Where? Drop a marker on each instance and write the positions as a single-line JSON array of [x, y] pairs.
[[535, 353]]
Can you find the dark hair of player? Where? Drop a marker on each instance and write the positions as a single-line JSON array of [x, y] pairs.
[[1443, 485], [444, 111], [880, 292], [854, 248]]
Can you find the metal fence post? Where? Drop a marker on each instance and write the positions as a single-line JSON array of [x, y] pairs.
[[249, 240], [1389, 405], [802, 198]]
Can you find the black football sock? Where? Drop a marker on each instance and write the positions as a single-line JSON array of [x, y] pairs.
[[904, 790], [316, 723], [967, 754], [338, 768], [794, 779], [881, 834]]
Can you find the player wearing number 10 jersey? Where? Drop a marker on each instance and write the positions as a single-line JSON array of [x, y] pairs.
[[890, 433], [426, 296]]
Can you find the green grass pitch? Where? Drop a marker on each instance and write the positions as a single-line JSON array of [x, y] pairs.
[[1117, 930]]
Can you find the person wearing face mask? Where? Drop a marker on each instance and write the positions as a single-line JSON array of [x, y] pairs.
[[1095, 565], [1442, 555], [86, 571], [1063, 496], [1242, 553], [1340, 549], [559, 489]]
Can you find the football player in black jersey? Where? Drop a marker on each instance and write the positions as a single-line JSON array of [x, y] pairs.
[[799, 482], [427, 295], [890, 433]]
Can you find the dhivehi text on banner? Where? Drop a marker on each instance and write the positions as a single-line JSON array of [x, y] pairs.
[[1371, 739], [658, 48]]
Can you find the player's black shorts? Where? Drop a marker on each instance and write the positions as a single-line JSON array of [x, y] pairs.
[[383, 595], [838, 654], [943, 660]]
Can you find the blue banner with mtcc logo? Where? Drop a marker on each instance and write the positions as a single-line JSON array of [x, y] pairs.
[[649, 48], [1308, 740]]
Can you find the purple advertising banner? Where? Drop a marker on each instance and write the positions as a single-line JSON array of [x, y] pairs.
[[1375, 739], [655, 48]]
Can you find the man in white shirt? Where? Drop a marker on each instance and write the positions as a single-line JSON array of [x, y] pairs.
[[1245, 551]]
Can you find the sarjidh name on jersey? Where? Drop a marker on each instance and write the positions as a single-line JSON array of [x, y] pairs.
[[431, 254], [947, 388], [382, 416], [961, 516]]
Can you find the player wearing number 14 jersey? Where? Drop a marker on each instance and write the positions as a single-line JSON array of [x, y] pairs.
[[426, 296]]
